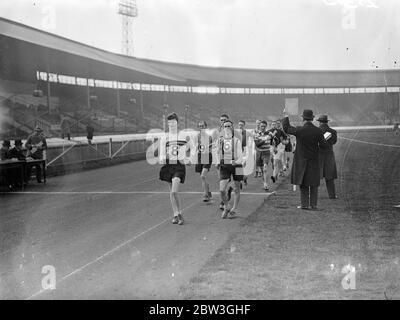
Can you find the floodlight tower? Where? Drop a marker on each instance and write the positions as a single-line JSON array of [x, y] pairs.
[[128, 10]]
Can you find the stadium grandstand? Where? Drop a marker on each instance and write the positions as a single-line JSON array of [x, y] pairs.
[[44, 77], [93, 205]]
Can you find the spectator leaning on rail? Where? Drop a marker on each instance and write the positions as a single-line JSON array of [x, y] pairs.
[[35, 144], [7, 177], [5, 150], [327, 161], [305, 168], [17, 152]]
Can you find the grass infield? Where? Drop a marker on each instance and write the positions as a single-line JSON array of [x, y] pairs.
[[280, 252]]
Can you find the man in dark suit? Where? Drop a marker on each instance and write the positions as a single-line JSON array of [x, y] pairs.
[[89, 131], [17, 152], [305, 168], [5, 150], [35, 144], [327, 157]]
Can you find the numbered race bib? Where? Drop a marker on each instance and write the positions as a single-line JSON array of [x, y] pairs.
[[227, 151], [175, 150]]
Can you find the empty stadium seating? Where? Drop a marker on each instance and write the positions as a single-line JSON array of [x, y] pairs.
[[141, 111]]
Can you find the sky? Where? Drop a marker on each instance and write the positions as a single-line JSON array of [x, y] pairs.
[[257, 34]]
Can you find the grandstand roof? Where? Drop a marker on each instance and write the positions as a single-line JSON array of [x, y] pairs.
[[39, 50]]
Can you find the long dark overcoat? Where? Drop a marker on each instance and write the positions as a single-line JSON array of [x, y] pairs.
[[327, 161], [305, 167]]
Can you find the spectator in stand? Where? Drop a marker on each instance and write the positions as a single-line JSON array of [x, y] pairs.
[[327, 163], [89, 131], [396, 129], [17, 152], [65, 128], [6, 178], [5, 150], [35, 144]]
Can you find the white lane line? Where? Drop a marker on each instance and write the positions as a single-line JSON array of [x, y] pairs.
[[140, 182], [108, 253], [372, 143], [130, 192]]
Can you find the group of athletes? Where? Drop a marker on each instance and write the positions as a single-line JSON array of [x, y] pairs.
[[230, 150]]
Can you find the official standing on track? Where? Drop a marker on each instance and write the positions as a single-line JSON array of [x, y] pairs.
[[305, 168], [327, 157]]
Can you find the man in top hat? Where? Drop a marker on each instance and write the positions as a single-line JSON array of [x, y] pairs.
[[305, 167], [5, 150], [35, 144], [327, 157]]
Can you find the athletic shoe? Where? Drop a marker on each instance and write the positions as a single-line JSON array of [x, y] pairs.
[[175, 220], [180, 219], [303, 208], [206, 198], [225, 213], [284, 168], [266, 187], [231, 214], [221, 206]]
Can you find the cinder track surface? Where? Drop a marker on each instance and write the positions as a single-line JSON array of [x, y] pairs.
[[107, 233]]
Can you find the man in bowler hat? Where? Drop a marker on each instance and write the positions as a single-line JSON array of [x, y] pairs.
[[17, 152], [327, 161], [305, 167]]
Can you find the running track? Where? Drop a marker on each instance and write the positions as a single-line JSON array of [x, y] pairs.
[[108, 234]]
